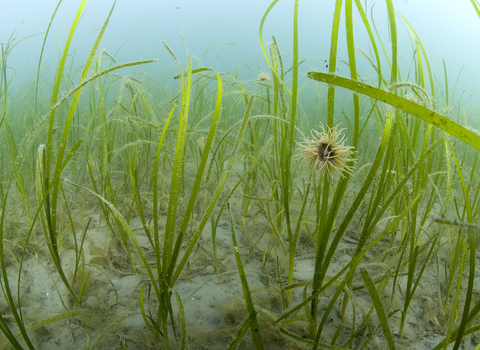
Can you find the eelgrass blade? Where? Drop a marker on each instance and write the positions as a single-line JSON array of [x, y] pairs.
[[7, 291], [240, 334], [322, 234], [378, 67], [455, 306], [421, 50], [262, 46], [216, 195], [393, 37], [200, 170], [352, 64], [41, 51], [124, 223], [56, 318], [183, 321], [476, 7], [287, 148], [378, 307], [109, 328], [146, 318], [42, 198], [322, 261], [351, 265], [70, 115], [254, 328], [177, 169], [19, 179], [472, 245], [56, 90], [155, 186], [417, 110]]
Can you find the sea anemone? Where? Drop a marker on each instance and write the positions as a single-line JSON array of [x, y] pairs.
[[264, 76], [326, 152], [201, 143]]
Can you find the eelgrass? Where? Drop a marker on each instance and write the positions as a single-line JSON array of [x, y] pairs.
[[142, 165], [252, 313]]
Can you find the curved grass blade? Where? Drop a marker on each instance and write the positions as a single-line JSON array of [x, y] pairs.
[[41, 51], [378, 306], [200, 169], [378, 66], [393, 35], [183, 321], [127, 228], [216, 195], [472, 245], [7, 291], [109, 328], [351, 265], [56, 318], [475, 6], [254, 328], [177, 170], [240, 334], [155, 185], [260, 34], [417, 110]]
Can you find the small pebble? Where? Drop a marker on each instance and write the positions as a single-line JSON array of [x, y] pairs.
[[93, 302], [117, 284], [210, 270]]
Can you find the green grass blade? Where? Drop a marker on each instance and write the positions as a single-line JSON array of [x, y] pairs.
[[352, 64], [124, 223], [177, 164], [378, 66], [42, 196], [393, 35], [262, 45], [109, 328], [216, 195], [476, 7], [240, 334], [56, 88], [201, 168], [378, 306], [155, 186], [351, 265], [183, 321], [7, 291], [41, 51], [255, 329], [68, 123], [472, 245], [146, 318], [417, 110]]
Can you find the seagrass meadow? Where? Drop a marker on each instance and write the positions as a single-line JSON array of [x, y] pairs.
[[175, 198]]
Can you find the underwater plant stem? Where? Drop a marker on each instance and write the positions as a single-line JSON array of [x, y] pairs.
[[155, 188], [472, 245], [177, 172], [254, 327], [393, 37], [286, 171], [17, 315], [41, 52], [216, 195], [353, 69], [332, 66]]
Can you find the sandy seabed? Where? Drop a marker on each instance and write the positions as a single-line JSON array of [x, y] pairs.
[[213, 303]]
